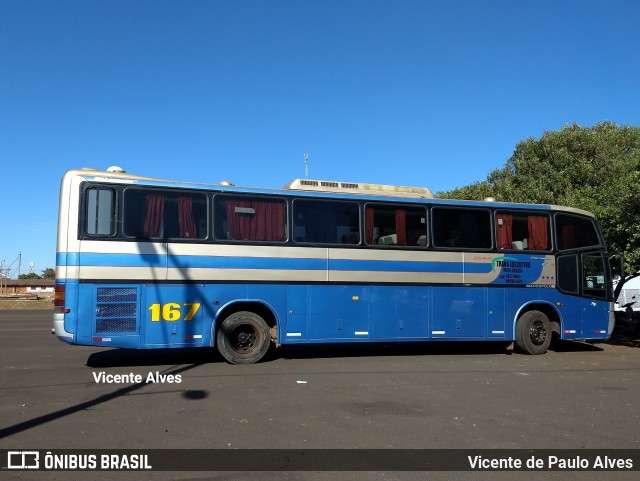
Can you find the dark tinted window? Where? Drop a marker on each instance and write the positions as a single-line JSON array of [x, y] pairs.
[[461, 228], [325, 222], [164, 214], [568, 273], [395, 225], [260, 219], [574, 232]]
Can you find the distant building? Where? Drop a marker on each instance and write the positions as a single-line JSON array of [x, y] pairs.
[[30, 287]]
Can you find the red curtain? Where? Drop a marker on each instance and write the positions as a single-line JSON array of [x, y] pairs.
[[238, 224], [401, 227], [269, 221], [538, 232], [154, 215], [266, 222], [185, 217], [504, 230], [369, 214], [568, 237]]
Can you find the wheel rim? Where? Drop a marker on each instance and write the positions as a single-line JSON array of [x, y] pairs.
[[538, 333], [243, 339]]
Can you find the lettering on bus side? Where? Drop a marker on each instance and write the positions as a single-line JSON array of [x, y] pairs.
[[172, 311]]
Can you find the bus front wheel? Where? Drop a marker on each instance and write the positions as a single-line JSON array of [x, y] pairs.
[[243, 338], [533, 333]]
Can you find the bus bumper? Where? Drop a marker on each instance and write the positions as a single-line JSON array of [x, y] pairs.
[[58, 328]]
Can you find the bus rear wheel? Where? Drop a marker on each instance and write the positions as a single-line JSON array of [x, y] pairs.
[[533, 333], [243, 338]]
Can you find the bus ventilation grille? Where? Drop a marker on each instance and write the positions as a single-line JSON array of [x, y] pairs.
[[116, 310]]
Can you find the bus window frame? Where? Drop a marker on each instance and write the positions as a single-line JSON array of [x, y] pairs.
[[527, 212], [83, 231], [594, 226], [164, 238], [432, 243], [405, 205], [252, 196], [360, 221]]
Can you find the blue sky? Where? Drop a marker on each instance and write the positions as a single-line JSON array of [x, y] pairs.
[[425, 93]]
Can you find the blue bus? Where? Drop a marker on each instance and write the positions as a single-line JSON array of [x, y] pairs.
[[148, 263]]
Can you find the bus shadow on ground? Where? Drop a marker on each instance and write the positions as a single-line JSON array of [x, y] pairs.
[[623, 335], [323, 351], [153, 357], [196, 356], [561, 345]]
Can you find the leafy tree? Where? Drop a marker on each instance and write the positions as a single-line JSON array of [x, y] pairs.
[[595, 169], [31, 275], [49, 273]]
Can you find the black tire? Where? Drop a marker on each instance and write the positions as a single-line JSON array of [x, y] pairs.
[[533, 333], [243, 338]]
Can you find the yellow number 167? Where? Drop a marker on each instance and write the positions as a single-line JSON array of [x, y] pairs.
[[172, 311]]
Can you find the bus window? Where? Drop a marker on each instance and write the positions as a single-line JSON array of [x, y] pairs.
[[395, 225], [523, 231], [573, 232], [100, 220], [593, 276], [461, 228], [326, 222], [260, 219], [568, 274], [165, 214]]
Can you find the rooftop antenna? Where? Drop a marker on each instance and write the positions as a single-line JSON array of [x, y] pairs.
[[306, 165]]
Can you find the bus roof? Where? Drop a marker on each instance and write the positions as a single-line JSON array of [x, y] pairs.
[[315, 188]]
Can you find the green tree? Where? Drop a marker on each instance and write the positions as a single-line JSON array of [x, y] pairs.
[[49, 273], [31, 275], [595, 169]]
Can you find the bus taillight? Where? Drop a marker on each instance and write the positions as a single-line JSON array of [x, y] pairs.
[[58, 300]]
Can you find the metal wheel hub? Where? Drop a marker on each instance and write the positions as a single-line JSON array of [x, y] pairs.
[[537, 333], [244, 338]]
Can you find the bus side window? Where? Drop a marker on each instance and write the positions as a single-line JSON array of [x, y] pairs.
[[461, 228], [100, 212], [574, 232], [326, 222], [568, 273], [398, 225], [593, 276], [522, 231], [249, 218]]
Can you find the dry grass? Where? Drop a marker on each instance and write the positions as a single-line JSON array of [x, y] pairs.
[[18, 304]]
